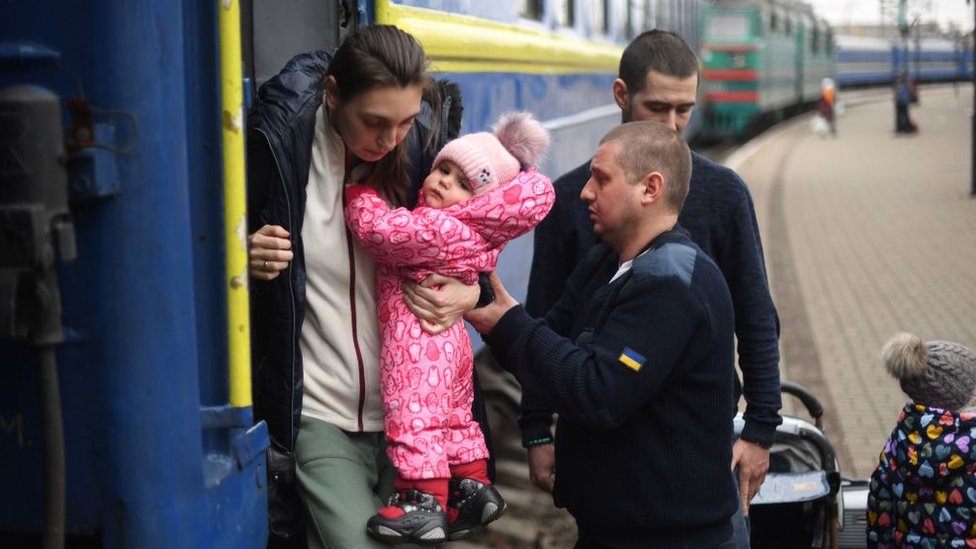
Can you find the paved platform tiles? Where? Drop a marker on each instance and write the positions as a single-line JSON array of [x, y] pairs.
[[866, 234]]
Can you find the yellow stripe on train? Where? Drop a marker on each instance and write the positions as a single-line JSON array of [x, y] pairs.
[[460, 43]]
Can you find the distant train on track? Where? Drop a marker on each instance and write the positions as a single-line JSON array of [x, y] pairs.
[[764, 60], [867, 61], [760, 59]]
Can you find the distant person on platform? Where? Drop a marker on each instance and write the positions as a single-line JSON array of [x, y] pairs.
[[636, 360], [923, 491], [658, 80], [826, 105], [903, 98]]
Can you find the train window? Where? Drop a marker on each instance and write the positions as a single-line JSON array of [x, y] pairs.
[[677, 15], [727, 27], [531, 9], [618, 17], [815, 40], [667, 17], [565, 13], [650, 20], [278, 34], [598, 16], [637, 17], [773, 21]]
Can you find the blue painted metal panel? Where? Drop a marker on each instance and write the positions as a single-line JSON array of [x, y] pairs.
[[204, 175], [143, 301]]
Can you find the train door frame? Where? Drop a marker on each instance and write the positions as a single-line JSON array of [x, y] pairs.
[[274, 32]]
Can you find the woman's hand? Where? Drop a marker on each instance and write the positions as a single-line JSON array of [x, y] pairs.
[[439, 301], [270, 252]]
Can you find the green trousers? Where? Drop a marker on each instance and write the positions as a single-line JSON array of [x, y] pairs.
[[344, 478]]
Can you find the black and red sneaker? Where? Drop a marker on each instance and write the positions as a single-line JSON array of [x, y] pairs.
[[476, 504], [415, 517]]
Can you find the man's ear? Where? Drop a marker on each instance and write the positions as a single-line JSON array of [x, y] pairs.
[[654, 186], [331, 92], [620, 95]]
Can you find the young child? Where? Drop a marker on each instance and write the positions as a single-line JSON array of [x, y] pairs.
[[480, 194], [923, 493]]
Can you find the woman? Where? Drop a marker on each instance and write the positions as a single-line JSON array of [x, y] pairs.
[[324, 121]]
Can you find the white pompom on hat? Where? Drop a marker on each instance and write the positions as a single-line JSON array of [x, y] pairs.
[[491, 159], [940, 374]]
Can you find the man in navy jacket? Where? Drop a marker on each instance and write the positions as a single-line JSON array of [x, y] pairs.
[[635, 358], [658, 80]]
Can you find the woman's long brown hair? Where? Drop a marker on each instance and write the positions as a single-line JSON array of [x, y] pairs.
[[380, 56]]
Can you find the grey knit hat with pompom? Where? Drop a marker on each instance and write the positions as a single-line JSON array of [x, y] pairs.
[[938, 374]]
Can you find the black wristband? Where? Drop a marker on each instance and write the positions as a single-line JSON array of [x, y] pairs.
[[487, 294], [537, 442]]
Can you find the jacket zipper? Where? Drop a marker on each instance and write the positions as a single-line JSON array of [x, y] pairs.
[[355, 324]]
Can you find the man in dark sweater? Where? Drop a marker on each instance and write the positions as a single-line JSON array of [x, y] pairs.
[[658, 80], [635, 359]]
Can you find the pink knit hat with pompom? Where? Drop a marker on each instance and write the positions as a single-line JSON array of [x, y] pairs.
[[491, 159]]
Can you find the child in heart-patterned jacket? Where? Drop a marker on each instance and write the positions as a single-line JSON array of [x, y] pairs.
[[481, 193], [923, 492]]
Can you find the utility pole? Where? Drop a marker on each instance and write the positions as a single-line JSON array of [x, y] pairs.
[[903, 30]]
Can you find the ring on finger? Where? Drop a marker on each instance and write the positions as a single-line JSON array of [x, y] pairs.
[[265, 264]]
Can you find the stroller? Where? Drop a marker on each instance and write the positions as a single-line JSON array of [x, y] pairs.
[[800, 505]]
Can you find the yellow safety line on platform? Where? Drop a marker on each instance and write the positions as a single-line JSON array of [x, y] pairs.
[[235, 204]]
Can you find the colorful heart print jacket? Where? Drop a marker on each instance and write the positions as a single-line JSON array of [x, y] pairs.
[[923, 493]]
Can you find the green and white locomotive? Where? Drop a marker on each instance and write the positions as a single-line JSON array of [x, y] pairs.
[[761, 60]]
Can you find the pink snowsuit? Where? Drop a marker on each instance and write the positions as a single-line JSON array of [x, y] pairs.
[[427, 380]]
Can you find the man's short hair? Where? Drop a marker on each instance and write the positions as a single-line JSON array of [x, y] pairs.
[[647, 147], [656, 50]]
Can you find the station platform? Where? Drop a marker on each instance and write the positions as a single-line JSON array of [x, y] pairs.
[[866, 234]]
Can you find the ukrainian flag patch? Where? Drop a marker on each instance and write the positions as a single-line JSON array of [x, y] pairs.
[[632, 359]]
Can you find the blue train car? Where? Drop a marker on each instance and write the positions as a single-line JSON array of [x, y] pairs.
[[865, 61], [124, 386], [931, 60]]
